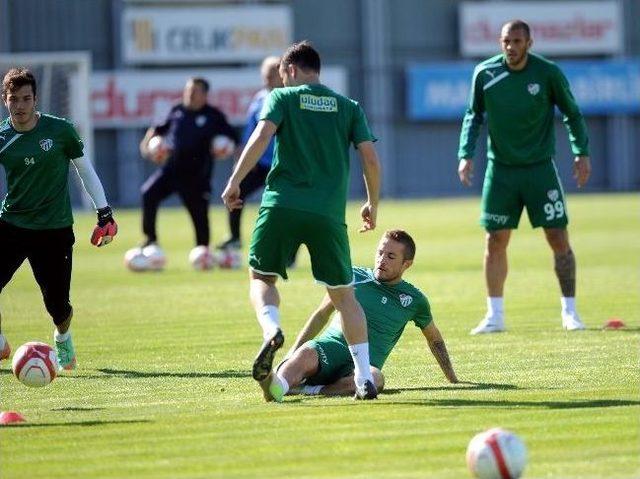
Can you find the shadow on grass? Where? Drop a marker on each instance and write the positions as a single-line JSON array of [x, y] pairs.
[[461, 386], [6, 371], [123, 373], [577, 404], [78, 408], [76, 423]]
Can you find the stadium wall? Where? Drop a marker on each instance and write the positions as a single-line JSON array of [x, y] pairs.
[[419, 156]]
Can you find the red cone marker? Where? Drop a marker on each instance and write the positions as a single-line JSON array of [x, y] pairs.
[[10, 417]]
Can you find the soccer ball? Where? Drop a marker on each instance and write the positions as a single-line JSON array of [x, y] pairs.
[[149, 258], [135, 260], [222, 147], [156, 260], [228, 258], [159, 150], [35, 364], [496, 454], [201, 258]]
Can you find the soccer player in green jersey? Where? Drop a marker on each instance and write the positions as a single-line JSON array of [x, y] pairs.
[[323, 365], [518, 91], [304, 201], [35, 217]]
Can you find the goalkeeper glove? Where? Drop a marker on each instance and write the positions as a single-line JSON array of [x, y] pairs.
[[106, 228]]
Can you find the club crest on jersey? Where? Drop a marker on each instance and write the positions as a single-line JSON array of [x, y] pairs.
[[405, 300], [46, 144], [201, 120], [553, 195], [533, 88]]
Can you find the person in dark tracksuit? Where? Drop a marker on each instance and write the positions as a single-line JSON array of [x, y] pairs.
[[187, 132]]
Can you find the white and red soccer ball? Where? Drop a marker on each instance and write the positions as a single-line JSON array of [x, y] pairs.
[[149, 258], [222, 147], [496, 454], [201, 258], [228, 258], [159, 150], [35, 364]]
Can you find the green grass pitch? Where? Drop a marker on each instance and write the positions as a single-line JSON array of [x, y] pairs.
[[163, 388]]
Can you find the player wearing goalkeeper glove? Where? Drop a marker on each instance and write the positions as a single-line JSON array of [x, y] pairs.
[[35, 217]]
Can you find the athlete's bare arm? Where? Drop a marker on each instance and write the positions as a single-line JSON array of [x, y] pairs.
[[249, 157], [371, 171], [439, 351], [316, 322]]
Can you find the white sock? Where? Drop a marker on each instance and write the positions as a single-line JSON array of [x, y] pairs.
[[61, 338], [568, 304], [495, 307], [312, 390], [3, 341], [269, 319], [283, 383], [360, 355]]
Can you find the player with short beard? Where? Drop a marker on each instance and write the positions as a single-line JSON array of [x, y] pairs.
[[322, 364], [518, 91], [36, 218]]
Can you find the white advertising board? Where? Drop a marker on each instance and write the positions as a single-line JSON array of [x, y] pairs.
[[204, 35], [558, 28], [135, 98]]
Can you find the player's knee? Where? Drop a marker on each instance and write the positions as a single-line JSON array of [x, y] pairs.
[[558, 239], [378, 378], [269, 279], [497, 241]]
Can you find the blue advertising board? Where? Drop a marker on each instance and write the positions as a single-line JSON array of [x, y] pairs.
[[440, 91]]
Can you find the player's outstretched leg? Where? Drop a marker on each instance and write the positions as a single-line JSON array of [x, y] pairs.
[[263, 362]]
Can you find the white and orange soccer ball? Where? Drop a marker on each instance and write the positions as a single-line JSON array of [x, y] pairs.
[[201, 258], [35, 364], [159, 150], [222, 147], [496, 454]]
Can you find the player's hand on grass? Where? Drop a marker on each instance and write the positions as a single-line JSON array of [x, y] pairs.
[[106, 228], [369, 214], [581, 170], [231, 196], [465, 171]]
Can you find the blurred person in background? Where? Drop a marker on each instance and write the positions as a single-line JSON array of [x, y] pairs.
[[183, 146]]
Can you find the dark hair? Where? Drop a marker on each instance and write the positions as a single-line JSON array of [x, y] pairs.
[[405, 239], [302, 55], [518, 25], [15, 79], [204, 84]]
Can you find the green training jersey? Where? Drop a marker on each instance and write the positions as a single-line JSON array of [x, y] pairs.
[[36, 163], [310, 170], [520, 112], [388, 309]]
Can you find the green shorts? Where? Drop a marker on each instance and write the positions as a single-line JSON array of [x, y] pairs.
[[507, 189], [334, 358], [278, 234]]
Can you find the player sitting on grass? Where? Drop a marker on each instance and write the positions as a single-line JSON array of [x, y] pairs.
[[323, 365]]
